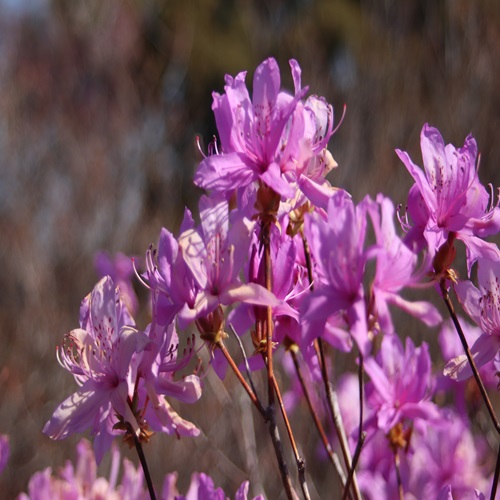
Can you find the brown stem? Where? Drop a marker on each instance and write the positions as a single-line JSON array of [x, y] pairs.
[[269, 329], [355, 459], [398, 475], [330, 393], [144, 464], [317, 422], [495, 478], [333, 406], [270, 417], [236, 370], [266, 219], [301, 466], [245, 359], [482, 389], [278, 450], [361, 391]]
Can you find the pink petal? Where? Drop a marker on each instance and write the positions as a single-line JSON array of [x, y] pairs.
[[78, 412], [225, 172]]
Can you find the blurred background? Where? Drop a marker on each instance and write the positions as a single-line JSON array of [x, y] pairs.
[[100, 105]]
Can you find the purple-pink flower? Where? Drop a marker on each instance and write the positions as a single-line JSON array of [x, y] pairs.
[[448, 454], [156, 369], [168, 276], [273, 137], [215, 254], [449, 198], [395, 270], [201, 487], [337, 247], [401, 384], [483, 306], [81, 481], [99, 355]]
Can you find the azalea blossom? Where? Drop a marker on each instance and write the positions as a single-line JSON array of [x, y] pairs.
[[288, 281], [449, 198], [464, 391], [396, 269], [168, 276], [99, 356], [215, 254], [155, 372], [274, 138], [81, 481], [448, 454], [337, 248], [202, 487], [401, 385], [483, 306]]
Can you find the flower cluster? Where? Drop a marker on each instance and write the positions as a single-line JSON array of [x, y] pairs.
[[81, 481], [286, 258], [121, 372]]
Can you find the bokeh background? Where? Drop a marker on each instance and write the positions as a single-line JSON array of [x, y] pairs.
[[100, 105]]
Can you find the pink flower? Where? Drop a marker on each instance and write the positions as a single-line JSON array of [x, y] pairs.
[[168, 276], [215, 254], [396, 265], [337, 250], [81, 480], [156, 369], [448, 454], [401, 385], [99, 356], [274, 137], [483, 306], [201, 488], [451, 348], [449, 198]]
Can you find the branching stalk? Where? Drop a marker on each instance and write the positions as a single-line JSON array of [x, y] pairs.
[[243, 382], [330, 393], [355, 459], [245, 359], [333, 406], [301, 466], [317, 422]]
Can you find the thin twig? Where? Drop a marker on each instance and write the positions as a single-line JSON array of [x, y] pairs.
[[333, 406], [270, 418], [355, 459], [495, 478], [482, 389], [265, 238], [330, 393], [278, 450], [301, 466], [245, 359], [269, 318], [248, 389], [317, 422], [144, 464], [361, 394]]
